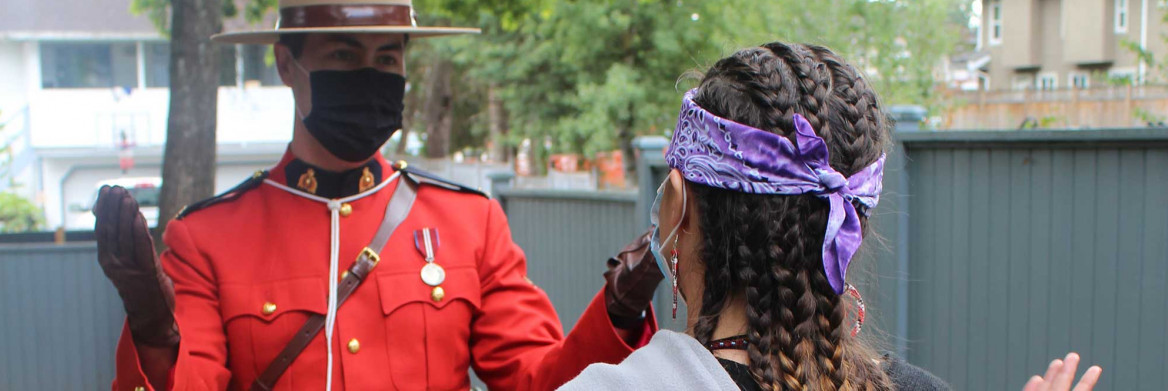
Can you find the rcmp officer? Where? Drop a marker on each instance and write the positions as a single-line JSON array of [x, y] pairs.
[[338, 270]]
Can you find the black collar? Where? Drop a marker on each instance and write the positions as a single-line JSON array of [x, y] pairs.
[[330, 184]]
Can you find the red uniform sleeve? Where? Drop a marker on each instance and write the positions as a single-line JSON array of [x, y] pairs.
[[202, 354], [517, 341]]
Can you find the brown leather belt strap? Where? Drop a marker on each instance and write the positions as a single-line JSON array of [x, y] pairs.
[[395, 213]]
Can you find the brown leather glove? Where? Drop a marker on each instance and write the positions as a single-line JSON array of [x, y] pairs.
[[126, 254], [632, 278]]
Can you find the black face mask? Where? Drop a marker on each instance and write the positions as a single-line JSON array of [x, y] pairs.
[[354, 112]]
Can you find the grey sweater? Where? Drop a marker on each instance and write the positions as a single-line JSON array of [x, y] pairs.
[[671, 361], [675, 361]]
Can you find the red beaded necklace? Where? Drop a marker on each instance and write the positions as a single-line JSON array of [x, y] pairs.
[[738, 342]]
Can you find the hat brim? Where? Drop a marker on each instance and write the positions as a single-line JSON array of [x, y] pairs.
[[271, 36]]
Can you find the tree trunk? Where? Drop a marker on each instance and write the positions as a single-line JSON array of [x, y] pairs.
[[188, 166], [438, 109], [411, 108], [625, 136], [497, 116]]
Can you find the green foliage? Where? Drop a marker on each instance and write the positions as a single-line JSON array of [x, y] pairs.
[[590, 75], [18, 214], [1148, 117], [159, 11]]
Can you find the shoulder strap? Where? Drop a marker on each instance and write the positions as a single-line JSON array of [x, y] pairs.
[[427, 178], [399, 207], [229, 195]]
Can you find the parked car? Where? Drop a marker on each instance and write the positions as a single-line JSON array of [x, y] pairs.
[[145, 190]]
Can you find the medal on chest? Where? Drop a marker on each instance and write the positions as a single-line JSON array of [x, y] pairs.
[[427, 242]]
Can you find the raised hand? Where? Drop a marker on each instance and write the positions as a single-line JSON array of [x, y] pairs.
[[632, 277], [1061, 373], [126, 254]]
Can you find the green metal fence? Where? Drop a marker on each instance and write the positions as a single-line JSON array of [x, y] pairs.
[[997, 251]]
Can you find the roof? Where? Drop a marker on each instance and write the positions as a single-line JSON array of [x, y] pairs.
[[65, 19], [89, 20]]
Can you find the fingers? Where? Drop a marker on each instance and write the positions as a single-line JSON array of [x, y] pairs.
[[143, 243], [1066, 374], [99, 217], [1090, 378], [101, 196], [1034, 384], [127, 214], [107, 218], [1052, 370]]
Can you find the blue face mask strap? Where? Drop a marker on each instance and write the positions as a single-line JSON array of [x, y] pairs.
[[296, 63], [677, 227]]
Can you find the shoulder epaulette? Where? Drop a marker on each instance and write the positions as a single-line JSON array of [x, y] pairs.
[[235, 192], [431, 179]]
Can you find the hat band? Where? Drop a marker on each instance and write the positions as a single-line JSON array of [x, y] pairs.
[[344, 15]]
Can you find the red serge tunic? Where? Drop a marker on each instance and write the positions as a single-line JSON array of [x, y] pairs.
[[251, 267]]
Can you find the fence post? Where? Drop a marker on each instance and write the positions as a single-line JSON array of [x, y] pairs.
[[499, 180], [650, 155]]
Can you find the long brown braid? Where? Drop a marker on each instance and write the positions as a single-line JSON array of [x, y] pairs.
[[767, 248]]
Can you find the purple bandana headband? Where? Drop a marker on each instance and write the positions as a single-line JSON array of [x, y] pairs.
[[725, 154]]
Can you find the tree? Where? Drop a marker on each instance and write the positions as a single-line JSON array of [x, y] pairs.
[[592, 75], [188, 166], [459, 105], [17, 214], [1153, 70], [898, 44]]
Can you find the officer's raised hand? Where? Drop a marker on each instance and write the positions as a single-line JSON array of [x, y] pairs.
[[126, 254], [632, 277]]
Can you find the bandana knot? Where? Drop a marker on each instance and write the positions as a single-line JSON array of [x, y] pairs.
[[721, 153]]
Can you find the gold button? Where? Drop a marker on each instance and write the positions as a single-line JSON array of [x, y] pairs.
[[354, 346], [346, 210], [437, 294], [139, 388], [269, 308], [344, 274], [401, 164]]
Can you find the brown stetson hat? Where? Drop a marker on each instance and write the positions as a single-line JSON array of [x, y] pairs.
[[342, 16]]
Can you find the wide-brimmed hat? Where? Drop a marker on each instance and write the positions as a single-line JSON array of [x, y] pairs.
[[342, 16]]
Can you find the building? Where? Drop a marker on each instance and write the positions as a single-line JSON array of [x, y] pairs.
[[85, 86], [1059, 44]]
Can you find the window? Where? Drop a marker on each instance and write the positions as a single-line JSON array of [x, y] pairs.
[[1080, 80], [157, 57], [1121, 16], [158, 65], [995, 23], [1047, 82], [88, 65]]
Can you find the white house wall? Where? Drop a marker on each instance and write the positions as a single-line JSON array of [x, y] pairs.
[[12, 89], [95, 118]]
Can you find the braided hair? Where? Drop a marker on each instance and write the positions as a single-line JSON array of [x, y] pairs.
[[766, 249]]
